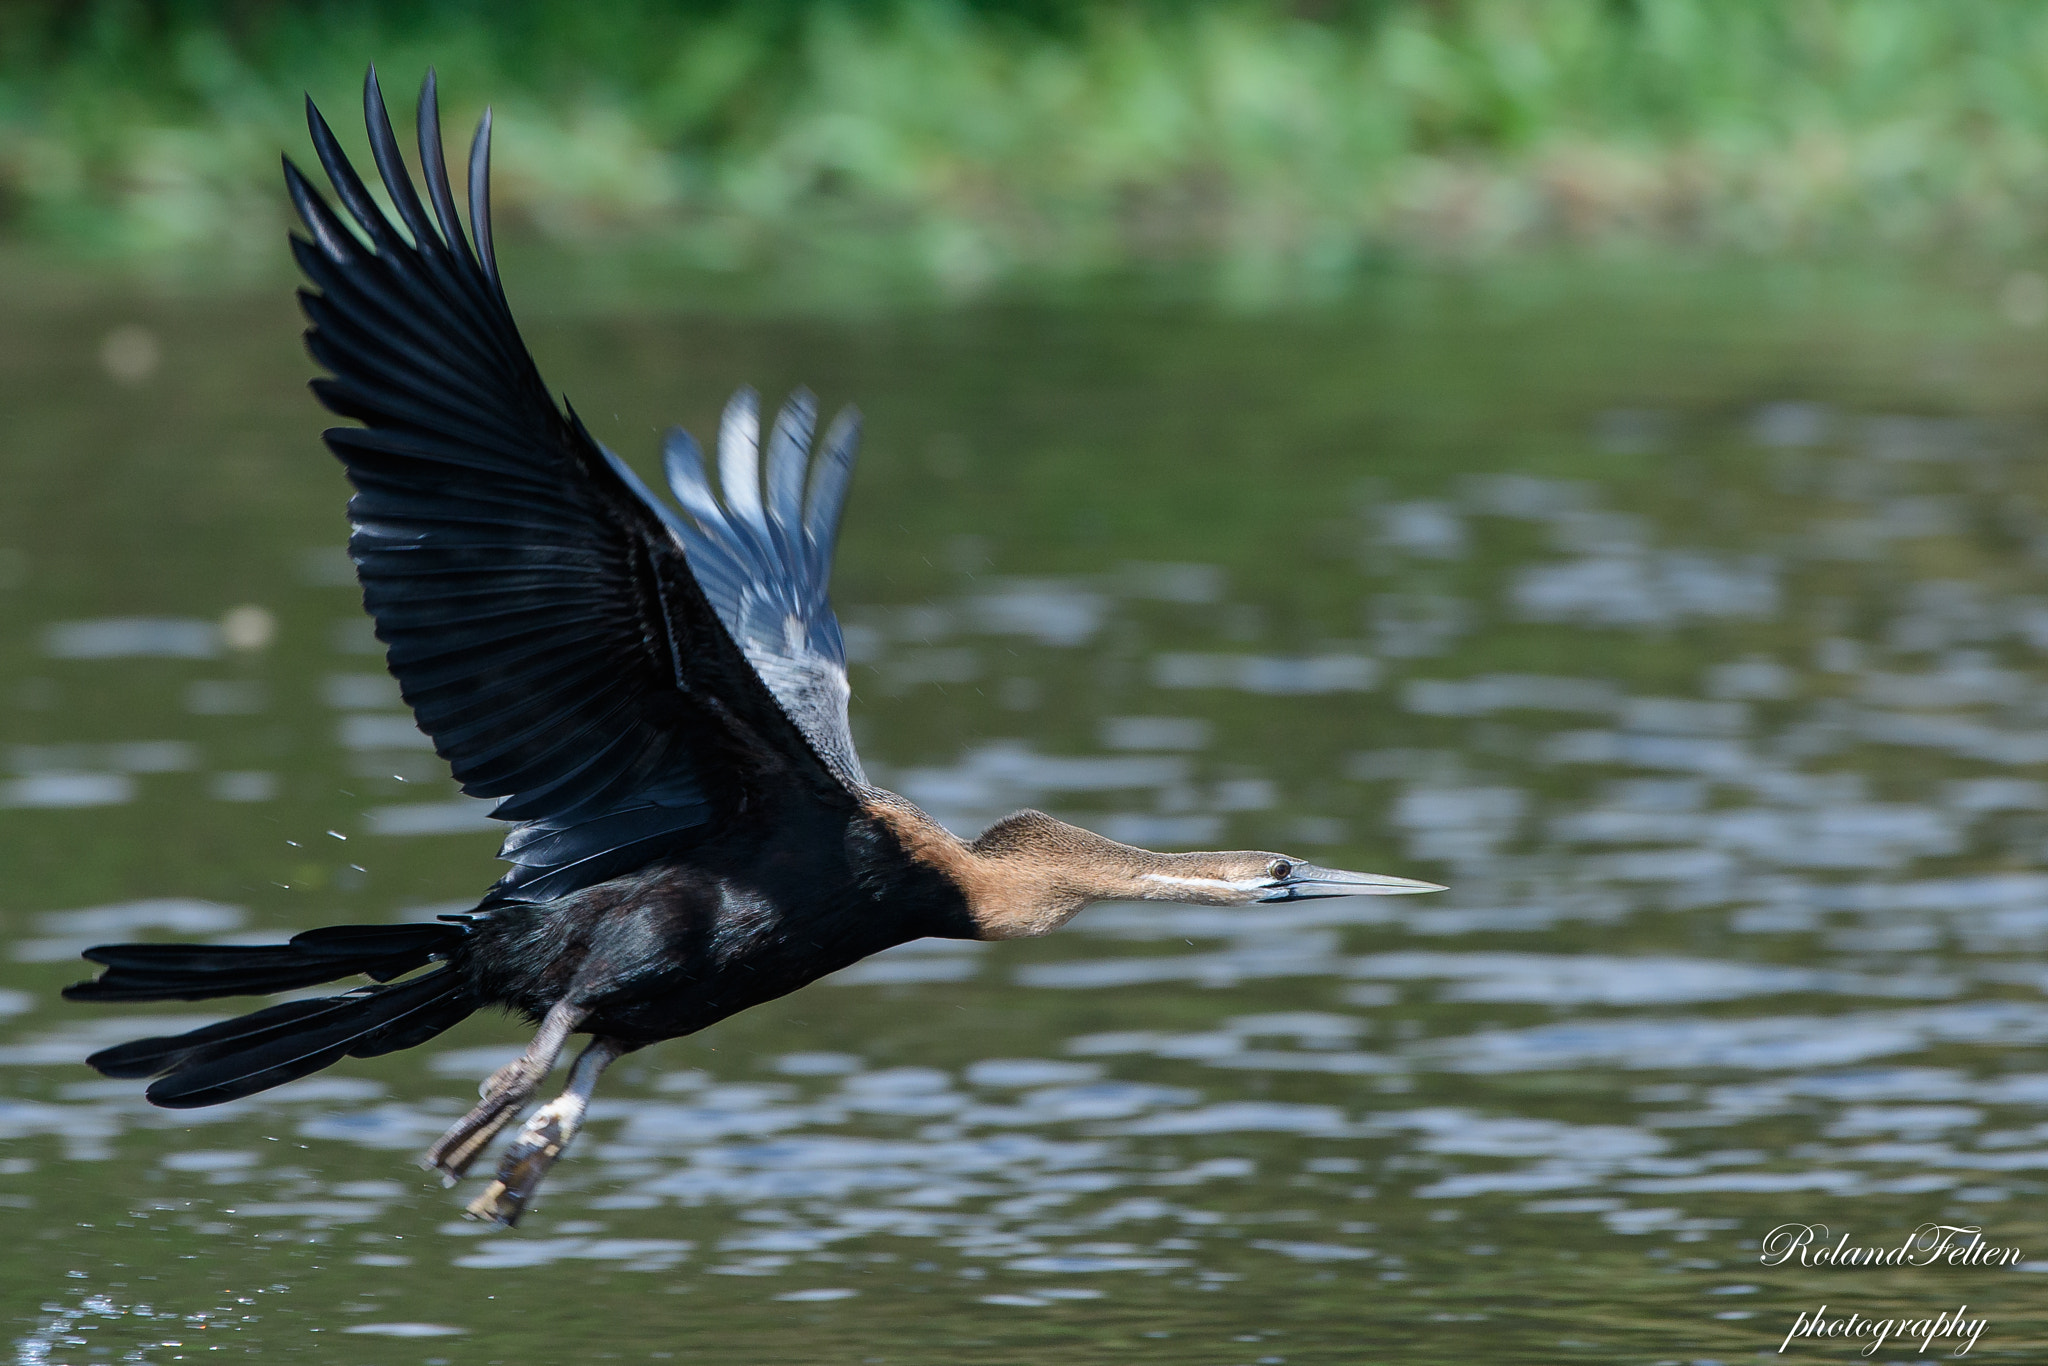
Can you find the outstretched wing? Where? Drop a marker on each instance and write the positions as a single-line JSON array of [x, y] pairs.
[[763, 554], [541, 617]]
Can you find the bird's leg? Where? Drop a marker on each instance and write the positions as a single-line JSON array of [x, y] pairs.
[[505, 1094], [527, 1160]]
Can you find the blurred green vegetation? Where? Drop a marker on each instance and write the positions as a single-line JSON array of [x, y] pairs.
[[954, 144]]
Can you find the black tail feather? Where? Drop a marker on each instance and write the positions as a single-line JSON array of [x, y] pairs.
[[199, 972], [267, 1048], [155, 1056]]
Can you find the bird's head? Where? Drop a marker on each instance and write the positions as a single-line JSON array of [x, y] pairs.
[[1028, 874], [1242, 877]]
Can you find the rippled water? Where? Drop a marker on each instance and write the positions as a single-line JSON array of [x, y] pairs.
[[1697, 642]]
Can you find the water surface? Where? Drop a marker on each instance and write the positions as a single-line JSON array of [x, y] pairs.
[[1694, 634]]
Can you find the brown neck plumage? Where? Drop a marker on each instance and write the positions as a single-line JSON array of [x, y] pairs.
[[1028, 874]]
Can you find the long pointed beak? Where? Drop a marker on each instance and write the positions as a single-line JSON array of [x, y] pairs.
[[1308, 881]]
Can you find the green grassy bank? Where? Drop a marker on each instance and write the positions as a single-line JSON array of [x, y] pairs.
[[957, 145]]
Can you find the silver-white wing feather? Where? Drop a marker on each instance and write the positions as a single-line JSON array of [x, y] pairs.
[[761, 547]]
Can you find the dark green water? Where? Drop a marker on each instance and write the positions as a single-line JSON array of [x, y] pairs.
[[1691, 628]]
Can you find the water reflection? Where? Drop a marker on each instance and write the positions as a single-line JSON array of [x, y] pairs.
[[1739, 813]]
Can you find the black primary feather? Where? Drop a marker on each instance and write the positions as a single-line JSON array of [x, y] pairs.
[[538, 603]]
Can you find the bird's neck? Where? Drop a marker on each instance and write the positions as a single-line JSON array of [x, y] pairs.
[[1029, 874]]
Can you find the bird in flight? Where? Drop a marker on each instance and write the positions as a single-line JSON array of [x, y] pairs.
[[655, 694]]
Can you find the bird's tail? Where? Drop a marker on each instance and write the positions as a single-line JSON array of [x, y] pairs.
[[200, 972], [255, 1052]]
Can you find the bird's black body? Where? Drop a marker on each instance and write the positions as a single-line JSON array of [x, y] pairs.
[[684, 943], [799, 891], [656, 696]]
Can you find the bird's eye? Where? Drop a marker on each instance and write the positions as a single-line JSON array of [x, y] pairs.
[[1279, 868]]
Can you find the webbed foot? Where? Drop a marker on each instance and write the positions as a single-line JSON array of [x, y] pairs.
[[543, 1139], [505, 1093]]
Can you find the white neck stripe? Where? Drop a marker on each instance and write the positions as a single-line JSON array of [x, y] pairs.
[[1215, 883]]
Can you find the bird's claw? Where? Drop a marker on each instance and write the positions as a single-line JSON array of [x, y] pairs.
[[455, 1150], [520, 1171]]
